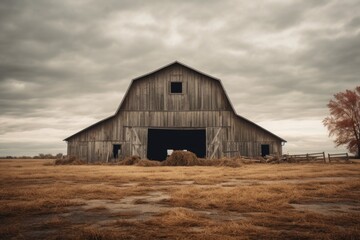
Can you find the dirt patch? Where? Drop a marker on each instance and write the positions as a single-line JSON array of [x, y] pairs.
[[328, 208], [189, 182], [246, 182], [133, 184], [129, 208], [216, 215], [103, 212]]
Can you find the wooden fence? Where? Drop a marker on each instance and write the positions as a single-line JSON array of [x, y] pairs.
[[317, 157], [338, 156], [306, 157]]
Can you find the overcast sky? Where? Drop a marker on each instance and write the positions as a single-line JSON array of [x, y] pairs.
[[65, 65]]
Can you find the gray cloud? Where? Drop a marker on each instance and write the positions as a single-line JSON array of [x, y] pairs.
[[67, 64]]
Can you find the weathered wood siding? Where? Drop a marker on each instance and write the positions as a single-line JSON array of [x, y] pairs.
[[149, 104], [153, 93]]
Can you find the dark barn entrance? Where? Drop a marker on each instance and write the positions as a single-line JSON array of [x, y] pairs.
[[160, 140], [265, 149]]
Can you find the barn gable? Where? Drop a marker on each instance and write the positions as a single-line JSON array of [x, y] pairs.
[[199, 92], [177, 98]]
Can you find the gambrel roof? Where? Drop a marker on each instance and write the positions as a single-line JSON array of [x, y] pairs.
[[160, 69]]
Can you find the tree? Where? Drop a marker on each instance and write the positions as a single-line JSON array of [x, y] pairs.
[[344, 119]]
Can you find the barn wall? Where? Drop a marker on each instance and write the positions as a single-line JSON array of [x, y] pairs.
[[149, 104], [199, 93], [227, 134], [250, 137]]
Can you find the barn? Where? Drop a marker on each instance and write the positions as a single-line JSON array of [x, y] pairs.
[[175, 107]]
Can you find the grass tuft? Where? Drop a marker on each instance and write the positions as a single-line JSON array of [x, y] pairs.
[[68, 161], [133, 160]]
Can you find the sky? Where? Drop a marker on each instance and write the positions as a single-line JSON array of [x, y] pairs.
[[65, 65]]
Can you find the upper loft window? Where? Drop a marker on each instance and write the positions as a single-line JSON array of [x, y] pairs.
[[176, 87]]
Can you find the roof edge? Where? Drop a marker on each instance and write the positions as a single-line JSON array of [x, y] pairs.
[[247, 120], [159, 69], [92, 125], [163, 67]]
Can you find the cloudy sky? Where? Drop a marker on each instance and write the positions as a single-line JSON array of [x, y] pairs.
[[67, 64]]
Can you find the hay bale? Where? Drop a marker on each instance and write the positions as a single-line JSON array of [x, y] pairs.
[[72, 160], [130, 160], [226, 162], [204, 162], [223, 162], [181, 158], [209, 162], [147, 163], [272, 159]]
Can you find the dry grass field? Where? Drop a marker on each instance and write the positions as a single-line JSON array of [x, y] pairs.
[[254, 201]]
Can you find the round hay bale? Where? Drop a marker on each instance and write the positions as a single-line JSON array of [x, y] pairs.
[[181, 158]]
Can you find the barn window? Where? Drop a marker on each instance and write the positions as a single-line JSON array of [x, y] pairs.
[[176, 87]]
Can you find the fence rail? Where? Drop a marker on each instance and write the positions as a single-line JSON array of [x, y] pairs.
[[307, 157], [338, 156]]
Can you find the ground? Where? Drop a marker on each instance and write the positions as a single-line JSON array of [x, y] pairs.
[[255, 201]]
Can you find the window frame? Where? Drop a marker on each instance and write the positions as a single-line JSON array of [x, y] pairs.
[[176, 81]]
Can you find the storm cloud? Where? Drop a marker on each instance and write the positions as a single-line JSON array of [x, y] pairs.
[[67, 64]]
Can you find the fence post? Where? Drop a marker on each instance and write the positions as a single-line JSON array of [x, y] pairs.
[[324, 157], [347, 157], [307, 157], [329, 157]]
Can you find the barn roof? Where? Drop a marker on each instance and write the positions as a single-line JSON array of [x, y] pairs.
[[162, 68]]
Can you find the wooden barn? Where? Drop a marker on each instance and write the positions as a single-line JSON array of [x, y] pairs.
[[173, 108]]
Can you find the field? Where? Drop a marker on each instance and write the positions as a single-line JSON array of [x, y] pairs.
[[254, 201]]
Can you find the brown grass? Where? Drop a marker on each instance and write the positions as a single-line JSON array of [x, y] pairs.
[[47, 201], [68, 161], [185, 158], [133, 160], [137, 161], [147, 163]]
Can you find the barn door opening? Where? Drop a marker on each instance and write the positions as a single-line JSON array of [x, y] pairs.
[[116, 150], [265, 149], [162, 140]]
